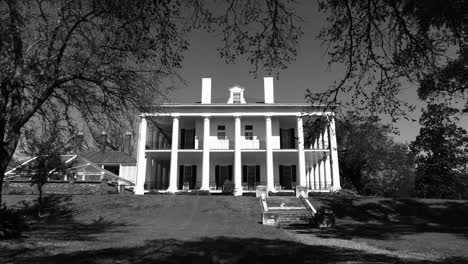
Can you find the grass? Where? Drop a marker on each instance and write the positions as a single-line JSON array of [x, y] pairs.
[[223, 229]]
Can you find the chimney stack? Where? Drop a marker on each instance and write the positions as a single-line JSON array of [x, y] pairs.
[[79, 141], [268, 90], [127, 144], [206, 91], [103, 141]]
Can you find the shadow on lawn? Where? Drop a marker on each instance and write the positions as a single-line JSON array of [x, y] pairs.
[[224, 250], [56, 222], [385, 218]]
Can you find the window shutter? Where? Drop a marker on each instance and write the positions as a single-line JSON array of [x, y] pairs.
[[194, 177], [293, 172], [190, 140], [244, 173], [182, 138], [229, 173], [292, 138], [217, 175], [257, 173], [181, 176], [281, 139], [281, 175]]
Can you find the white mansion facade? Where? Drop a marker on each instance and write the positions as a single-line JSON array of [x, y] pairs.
[[201, 145]]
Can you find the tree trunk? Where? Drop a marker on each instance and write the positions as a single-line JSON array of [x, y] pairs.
[[7, 148], [4, 160]]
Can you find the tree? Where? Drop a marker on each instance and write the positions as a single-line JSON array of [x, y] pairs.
[[370, 161], [93, 60], [384, 43], [441, 151], [46, 148]]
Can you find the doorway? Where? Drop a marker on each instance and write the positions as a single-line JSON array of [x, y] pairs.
[[287, 177]]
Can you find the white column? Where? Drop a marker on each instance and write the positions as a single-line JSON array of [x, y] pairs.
[[322, 174], [237, 158], [206, 154], [326, 141], [269, 155], [328, 176], [174, 148], [300, 151], [320, 141], [141, 157], [335, 169], [316, 176]]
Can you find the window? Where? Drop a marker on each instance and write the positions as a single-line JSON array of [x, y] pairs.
[[112, 168], [221, 132], [248, 132], [236, 98]]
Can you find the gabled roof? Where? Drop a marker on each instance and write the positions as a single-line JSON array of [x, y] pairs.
[[80, 165], [108, 157]]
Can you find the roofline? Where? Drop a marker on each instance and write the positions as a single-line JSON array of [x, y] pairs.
[[199, 105]]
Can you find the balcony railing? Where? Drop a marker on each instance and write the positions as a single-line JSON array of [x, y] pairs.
[[217, 143]]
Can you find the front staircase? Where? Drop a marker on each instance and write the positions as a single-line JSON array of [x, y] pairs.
[[287, 212]]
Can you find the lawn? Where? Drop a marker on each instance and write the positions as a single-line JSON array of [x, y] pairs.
[[222, 229]]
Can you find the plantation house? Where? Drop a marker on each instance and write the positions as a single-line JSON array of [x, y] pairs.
[[201, 145]]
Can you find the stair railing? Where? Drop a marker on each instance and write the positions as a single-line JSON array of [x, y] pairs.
[[308, 205], [264, 202]]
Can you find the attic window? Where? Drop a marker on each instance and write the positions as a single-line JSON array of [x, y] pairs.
[[236, 98]]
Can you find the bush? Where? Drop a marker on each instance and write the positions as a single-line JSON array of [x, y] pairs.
[[228, 187], [195, 192], [281, 194], [14, 191], [345, 193], [12, 223], [325, 218]]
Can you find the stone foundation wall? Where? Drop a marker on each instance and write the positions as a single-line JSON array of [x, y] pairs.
[[59, 187]]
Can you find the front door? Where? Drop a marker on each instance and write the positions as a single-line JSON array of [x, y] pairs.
[[251, 176], [251, 172], [287, 176], [222, 174], [187, 177]]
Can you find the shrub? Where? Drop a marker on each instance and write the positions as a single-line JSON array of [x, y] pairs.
[[14, 191], [195, 192], [12, 223], [345, 193], [281, 194], [228, 187], [325, 218]]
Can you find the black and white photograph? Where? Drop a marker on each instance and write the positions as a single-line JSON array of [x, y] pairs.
[[234, 131]]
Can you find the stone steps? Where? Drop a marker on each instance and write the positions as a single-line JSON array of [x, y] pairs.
[[285, 201], [294, 218], [287, 212]]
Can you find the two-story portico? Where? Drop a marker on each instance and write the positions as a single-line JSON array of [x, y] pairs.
[[200, 145]]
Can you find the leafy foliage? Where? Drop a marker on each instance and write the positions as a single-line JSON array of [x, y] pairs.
[[12, 223], [441, 151], [96, 60], [383, 44], [47, 149], [370, 161]]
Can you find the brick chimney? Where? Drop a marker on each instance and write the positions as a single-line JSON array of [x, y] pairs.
[[80, 141], [127, 143], [206, 91], [268, 90], [103, 141]]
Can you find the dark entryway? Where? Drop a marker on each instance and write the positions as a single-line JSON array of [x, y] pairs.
[[187, 176], [287, 176], [222, 173], [251, 176]]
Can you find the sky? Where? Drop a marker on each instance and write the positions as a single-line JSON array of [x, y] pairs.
[[310, 70]]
